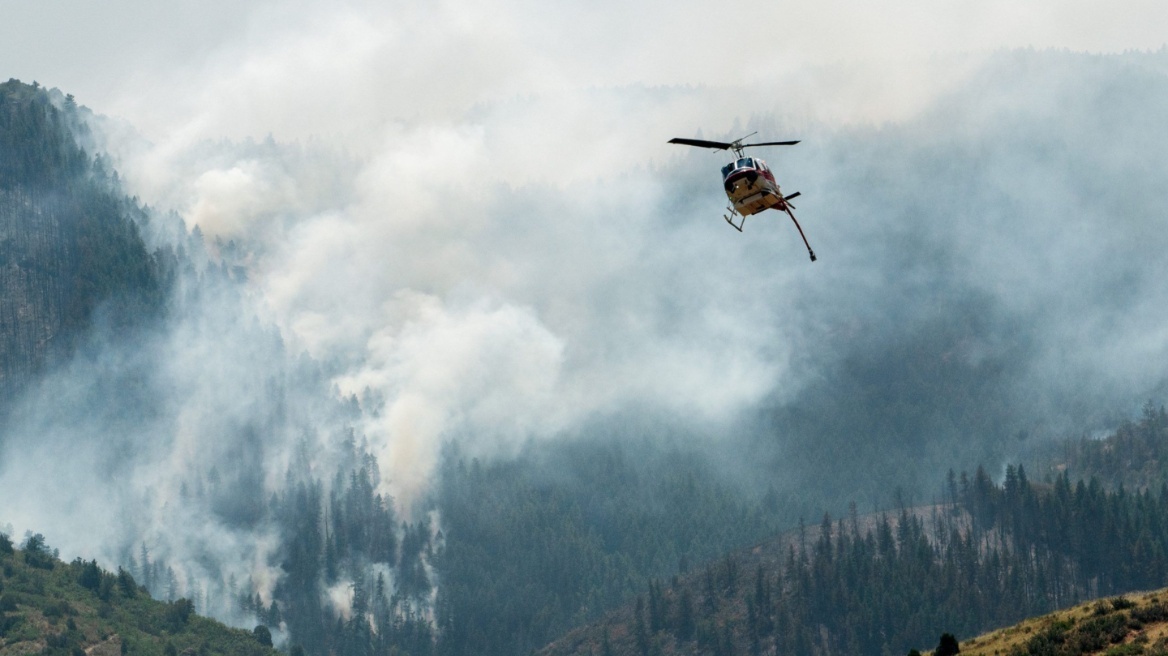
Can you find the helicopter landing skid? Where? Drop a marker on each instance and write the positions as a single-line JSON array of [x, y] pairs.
[[741, 223]]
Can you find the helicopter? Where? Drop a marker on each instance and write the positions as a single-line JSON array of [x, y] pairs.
[[750, 184]]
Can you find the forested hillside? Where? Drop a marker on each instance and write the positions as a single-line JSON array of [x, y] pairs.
[[528, 555], [1134, 456], [69, 244], [991, 556], [57, 609]]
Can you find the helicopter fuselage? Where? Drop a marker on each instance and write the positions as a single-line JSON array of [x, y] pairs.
[[749, 183], [751, 187]]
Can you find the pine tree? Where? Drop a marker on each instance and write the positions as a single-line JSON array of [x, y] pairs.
[[685, 616], [640, 630]]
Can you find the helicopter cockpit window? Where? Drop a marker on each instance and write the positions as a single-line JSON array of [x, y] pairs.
[[727, 169], [746, 163]]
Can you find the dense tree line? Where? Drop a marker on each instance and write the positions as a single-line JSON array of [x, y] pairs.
[[555, 538], [1134, 455], [350, 537], [40, 151], [355, 580], [852, 590], [71, 255], [998, 554]]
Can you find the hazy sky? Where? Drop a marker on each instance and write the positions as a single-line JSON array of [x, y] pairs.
[[196, 66]]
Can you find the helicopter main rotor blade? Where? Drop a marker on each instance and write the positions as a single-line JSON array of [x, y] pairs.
[[702, 143], [771, 143]]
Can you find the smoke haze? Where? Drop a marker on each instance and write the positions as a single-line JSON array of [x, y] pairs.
[[436, 223]]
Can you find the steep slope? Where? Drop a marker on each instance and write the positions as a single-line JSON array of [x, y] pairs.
[[49, 607], [68, 244], [148, 382]]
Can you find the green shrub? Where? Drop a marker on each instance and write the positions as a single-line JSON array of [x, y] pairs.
[[263, 635], [37, 553], [90, 576], [1154, 612], [1122, 603], [178, 613]]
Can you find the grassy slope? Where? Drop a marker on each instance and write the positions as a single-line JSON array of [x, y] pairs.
[[1135, 624], [47, 611]]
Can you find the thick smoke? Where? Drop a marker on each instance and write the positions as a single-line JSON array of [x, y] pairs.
[[164, 445]]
